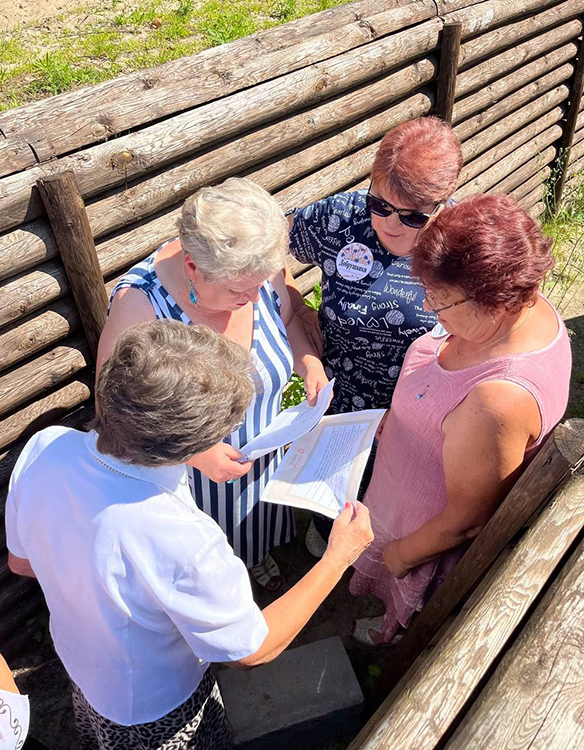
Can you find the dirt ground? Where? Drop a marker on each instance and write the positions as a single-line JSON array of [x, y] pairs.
[[13, 13]]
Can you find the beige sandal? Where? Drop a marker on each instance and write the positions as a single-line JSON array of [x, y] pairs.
[[267, 574]]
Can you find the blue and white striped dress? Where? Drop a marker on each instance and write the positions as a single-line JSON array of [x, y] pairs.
[[252, 528]]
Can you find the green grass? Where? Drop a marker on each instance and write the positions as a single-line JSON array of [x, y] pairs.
[[92, 45]]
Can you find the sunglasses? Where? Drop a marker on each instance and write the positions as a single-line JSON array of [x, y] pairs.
[[411, 219], [437, 310]]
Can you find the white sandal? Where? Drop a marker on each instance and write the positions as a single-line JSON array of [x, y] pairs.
[[315, 544], [362, 627], [267, 574]]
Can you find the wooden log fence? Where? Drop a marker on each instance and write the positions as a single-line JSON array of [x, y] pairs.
[[300, 110]]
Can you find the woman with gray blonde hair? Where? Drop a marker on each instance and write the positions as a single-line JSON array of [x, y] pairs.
[[143, 590], [225, 270]]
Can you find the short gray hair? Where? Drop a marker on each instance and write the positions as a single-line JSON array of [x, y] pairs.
[[169, 391], [234, 230]]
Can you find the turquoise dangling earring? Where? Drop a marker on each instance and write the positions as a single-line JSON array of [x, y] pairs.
[[192, 295]]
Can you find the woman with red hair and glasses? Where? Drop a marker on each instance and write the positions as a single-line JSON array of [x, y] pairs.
[[470, 408], [372, 308]]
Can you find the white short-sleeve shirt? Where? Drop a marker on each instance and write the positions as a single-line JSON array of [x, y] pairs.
[[142, 587], [14, 720]]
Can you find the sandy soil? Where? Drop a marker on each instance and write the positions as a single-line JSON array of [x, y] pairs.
[[13, 13]]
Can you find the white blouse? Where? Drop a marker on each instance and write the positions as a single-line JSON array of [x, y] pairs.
[[142, 587], [14, 719]]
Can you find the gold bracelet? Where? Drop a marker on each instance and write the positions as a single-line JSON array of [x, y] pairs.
[[314, 364]]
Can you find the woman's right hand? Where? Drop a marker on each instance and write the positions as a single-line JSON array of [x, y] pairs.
[[350, 536], [219, 463]]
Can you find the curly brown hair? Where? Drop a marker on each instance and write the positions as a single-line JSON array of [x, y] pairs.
[[169, 391]]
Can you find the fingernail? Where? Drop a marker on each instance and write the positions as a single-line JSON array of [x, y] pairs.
[[348, 505]]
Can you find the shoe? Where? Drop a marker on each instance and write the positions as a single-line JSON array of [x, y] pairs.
[[267, 574], [315, 544], [364, 625]]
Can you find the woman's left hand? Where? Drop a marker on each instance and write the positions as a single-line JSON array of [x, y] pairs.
[[315, 380], [393, 562]]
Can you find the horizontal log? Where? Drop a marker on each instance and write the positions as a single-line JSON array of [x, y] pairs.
[[525, 172], [531, 198], [432, 700], [512, 34], [78, 419], [528, 76], [85, 116], [543, 668], [536, 181], [15, 155], [45, 411], [513, 103], [578, 147], [513, 160], [25, 247], [307, 280], [27, 292], [513, 59], [110, 164], [36, 377], [168, 188], [536, 211], [509, 145], [516, 122], [486, 15]]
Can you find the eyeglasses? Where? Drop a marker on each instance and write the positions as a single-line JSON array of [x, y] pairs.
[[411, 219], [437, 310]]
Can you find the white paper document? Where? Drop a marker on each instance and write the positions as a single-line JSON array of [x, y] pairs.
[[288, 426], [322, 470]]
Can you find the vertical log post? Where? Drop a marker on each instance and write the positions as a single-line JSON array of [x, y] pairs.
[[562, 160], [449, 54], [68, 218]]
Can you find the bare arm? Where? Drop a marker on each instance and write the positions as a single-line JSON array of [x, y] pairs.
[[289, 614], [485, 441], [307, 315], [19, 566], [6, 679]]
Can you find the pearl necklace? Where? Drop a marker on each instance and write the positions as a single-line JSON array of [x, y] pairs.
[[490, 343]]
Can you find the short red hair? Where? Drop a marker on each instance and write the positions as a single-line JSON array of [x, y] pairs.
[[489, 248], [419, 161]]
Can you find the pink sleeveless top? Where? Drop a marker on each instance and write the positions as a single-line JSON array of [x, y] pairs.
[[408, 487]]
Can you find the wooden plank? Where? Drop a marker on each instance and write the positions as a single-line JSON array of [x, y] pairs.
[[534, 182], [518, 176], [486, 15], [534, 698], [111, 164], [27, 292], [512, 103], [569, 127], [15, 155], [511, 60], [431, 701], [307, 280], [563, 449], [64, 206], [517, 122], [25, 247], [486, 44], [76, 119], [529, 200], [506, 166], [450, 39], [528, 76], [39, 375]]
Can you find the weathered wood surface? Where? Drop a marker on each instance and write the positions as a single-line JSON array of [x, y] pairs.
[[512, 59], [506, 166], [431, 701], [508, 105], [563, 450], [533, 183], [486, 44], [110, 164], [66, 212], [491, 13], [509, 145], [152, 194], [449, 54], [536, 195], [37, 376], [307, 280], [85, 116], [534, 166], [22, 424], [26, 246], [573, 117], [536, 211], [517, 121], [534, 699], [31, 290], [15, 155], [529, 77]]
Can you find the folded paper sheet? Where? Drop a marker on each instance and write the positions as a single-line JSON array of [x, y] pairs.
[[322, 470]]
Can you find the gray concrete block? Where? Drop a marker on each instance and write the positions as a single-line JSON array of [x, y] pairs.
[[307, 696]]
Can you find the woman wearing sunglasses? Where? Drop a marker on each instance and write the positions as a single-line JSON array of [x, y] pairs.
[[471, 408], [225, 271], [372, 307]]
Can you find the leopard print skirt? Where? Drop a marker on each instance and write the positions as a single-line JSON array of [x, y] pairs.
[[200, 723]]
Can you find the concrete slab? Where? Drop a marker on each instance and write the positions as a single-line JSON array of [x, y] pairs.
[[307, 696]]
